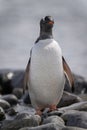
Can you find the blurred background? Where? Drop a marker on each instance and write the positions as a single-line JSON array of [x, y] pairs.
[[19, 28]]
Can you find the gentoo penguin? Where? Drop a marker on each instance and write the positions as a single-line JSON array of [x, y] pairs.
[[46, 69]]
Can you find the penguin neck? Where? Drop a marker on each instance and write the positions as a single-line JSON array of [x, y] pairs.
[[46, 34]]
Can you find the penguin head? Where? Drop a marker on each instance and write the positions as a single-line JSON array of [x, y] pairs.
[[46, 23]]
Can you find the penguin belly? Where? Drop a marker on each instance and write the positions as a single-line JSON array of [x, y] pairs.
[[46, 77]]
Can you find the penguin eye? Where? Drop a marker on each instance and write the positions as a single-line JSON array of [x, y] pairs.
[[47, 19]]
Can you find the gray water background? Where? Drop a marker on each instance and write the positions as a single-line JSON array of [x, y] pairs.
[[19, 28]]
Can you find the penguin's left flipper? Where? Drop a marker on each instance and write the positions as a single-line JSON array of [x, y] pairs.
[[68, 74]]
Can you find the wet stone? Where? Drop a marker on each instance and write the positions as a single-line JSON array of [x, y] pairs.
[[17, 123], [81, 106], [73, 128], [18, 92], [26, 98], [11, 112], [4, 104], [68, 99], [49, 126], [54, 119], [75, 118], [12, 99], [2, 114]]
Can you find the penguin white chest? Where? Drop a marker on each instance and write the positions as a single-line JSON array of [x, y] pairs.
[[46, 73]]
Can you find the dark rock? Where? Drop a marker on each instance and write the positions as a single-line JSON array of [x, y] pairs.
[[2, 114], [5, 81], [4, 104], [68, 99], [22, 116], [80, 84], [17, 80], [75, 118], [81, 106], [18, 92], [57, 113], [26, 98], [23, 108], [83, 96], [12, 99], [11, 112], [28, 121], [73, 128], [54, 119]]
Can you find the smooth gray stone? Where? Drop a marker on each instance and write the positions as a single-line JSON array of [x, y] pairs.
[[80, 84], [2, 114], [83, 96], [68, 99], [54, 119], [49, 126], [4, 104], [81, 106], [11, 112], [73, 128], [12, 99], [29, 121], [75, 118], [18, 92]]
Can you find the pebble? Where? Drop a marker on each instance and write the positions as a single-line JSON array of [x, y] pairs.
[[49, 126], [11, 112], [22, 121], [68, 99], [52, 127], [80, 84], [10, 98], [4, 104], [2, 114], [73, 128], [18, 92], [75, 118], [81, 106], [54, 119], [26, 98]]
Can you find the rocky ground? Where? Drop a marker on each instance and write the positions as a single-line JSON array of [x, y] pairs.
[[17, 113]]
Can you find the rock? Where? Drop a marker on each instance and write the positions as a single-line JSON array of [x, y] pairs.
[[18, 92], [68, 99], [5, 81], [17, 80], [81, 106], [73, 128], [75, 118], [80, 84], [49, 126], [54, 119], [20, 122], [12, 99], [23, 108], [83, 96], [11, 112], [2, 114], [4, 104], [26, 98]]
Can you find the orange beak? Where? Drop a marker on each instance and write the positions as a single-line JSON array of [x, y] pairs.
[[51, 22]]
